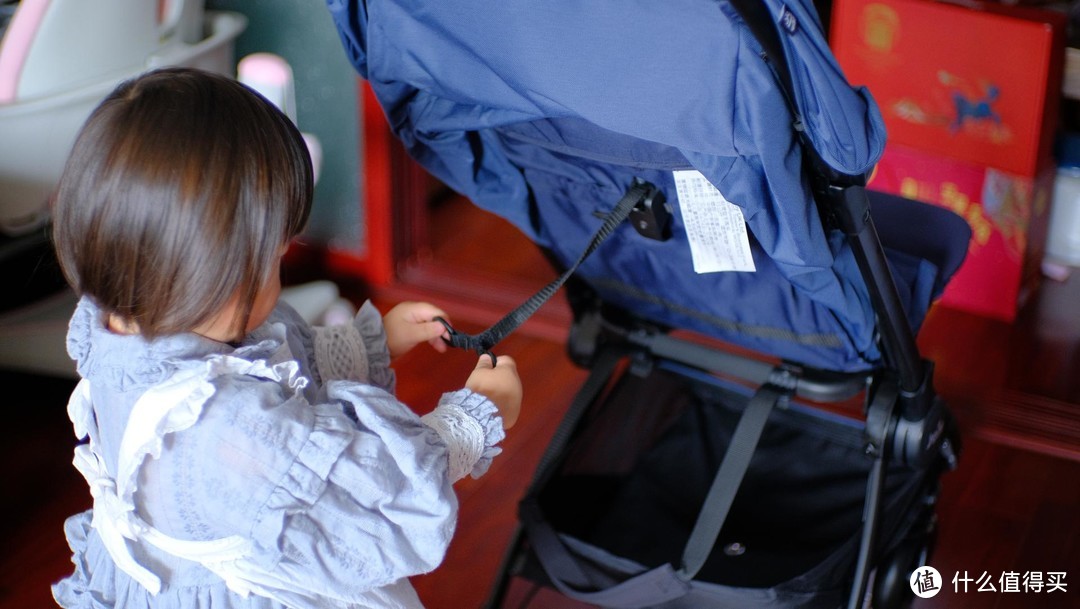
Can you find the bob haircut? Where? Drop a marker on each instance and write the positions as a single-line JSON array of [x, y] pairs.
[[180, 191]]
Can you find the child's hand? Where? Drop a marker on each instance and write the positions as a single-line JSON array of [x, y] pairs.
[[411, 323], [499, 384]]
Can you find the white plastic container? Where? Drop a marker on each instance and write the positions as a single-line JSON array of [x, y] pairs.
[[38, 127], [46, 93], [1063, 244]]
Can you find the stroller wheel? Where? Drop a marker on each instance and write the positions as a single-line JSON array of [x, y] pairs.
[[891, 587], [891, 590]]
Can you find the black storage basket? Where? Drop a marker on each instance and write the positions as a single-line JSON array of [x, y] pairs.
[[633, 478]]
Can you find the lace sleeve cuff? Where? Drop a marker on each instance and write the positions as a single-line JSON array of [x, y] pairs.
[[340, 354], [470, 426], [356, 351], [369, 326]]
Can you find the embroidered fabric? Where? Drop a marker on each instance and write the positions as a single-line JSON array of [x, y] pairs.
[[168, 407], [320, 464], [462, 434], [340, 354]]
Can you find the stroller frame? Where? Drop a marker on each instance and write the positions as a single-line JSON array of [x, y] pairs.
[[905, 421], [890, 436], [448, 118]]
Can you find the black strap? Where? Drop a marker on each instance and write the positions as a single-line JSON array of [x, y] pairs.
[[648, 589], [600, 374], [662, 583], [726, 483], [483, 342]]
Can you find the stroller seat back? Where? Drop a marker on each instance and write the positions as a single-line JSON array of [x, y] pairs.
[[545, 114]]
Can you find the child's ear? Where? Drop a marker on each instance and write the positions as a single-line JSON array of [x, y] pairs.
[[119, 325]]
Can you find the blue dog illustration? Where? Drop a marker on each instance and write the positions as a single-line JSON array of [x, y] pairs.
[[976, 110]]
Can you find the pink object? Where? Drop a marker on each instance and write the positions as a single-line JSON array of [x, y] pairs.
[[272, 77], [265, 67], [16, 45], [1055, 270]]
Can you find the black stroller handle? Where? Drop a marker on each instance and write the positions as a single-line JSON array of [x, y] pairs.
[[843, 198]]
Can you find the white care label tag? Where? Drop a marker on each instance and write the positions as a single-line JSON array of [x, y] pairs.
[[714, 226]]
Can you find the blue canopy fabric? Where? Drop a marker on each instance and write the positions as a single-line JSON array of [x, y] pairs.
[[544, 112]]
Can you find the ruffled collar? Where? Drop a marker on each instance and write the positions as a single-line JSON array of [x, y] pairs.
[[125, 361]]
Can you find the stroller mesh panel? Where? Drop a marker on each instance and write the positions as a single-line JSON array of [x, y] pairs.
[[635, 477]]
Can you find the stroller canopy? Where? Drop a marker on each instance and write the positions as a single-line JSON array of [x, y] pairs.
[[535, 110]]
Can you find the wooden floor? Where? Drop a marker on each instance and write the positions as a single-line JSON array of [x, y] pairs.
[[1012, 506]]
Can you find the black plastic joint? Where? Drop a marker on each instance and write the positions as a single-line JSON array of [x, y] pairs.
[[651, 216], [880, 417], [785, 378], [850, 207]]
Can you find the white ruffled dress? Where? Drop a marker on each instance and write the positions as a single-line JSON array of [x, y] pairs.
[[278, 473]]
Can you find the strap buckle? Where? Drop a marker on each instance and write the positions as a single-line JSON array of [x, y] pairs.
[[460, 340], [651, 216]]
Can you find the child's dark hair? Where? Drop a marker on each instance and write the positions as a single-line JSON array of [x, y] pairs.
[[181, 189]]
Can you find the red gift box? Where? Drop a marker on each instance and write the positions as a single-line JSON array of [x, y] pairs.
[[979, 82], [970, 95]]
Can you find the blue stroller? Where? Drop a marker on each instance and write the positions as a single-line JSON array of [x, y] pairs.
[[696, 169]]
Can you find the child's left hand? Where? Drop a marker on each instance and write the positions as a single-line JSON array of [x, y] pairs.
[[411, 323]]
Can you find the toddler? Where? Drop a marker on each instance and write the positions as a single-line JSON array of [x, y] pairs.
[[238, 457]]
